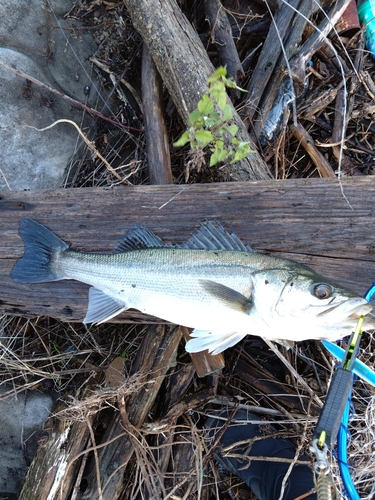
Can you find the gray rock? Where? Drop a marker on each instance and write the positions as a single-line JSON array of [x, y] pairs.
[[31, 159], [22, 417], [40, 43]]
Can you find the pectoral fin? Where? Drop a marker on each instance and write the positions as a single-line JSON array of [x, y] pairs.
[[102, 307], [229, 297]]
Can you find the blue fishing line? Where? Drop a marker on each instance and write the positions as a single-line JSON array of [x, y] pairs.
[[370, 292], [342, 454], [343, 433]]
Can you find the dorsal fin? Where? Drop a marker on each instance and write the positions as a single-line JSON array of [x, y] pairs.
[[212, 236], [138, 237]]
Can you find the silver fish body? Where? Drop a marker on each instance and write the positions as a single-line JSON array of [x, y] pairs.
[[213, 283]]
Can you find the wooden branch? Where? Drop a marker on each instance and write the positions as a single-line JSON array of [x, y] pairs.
[[339, 125], [184, 66], [204, 362], [222, 37], [156, 137], [298, 63], [286, 21], [53, 471], [307, 220], [307, 142]]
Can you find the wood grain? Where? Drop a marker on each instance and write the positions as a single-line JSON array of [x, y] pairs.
[[308, 220]]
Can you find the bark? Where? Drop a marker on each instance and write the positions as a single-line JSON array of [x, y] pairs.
[[53, 471]]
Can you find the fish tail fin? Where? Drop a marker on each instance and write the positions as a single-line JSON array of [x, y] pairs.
[[42, 249], [215, 342]]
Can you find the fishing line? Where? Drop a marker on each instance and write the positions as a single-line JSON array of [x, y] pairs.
[[333, 421], [343, 433]]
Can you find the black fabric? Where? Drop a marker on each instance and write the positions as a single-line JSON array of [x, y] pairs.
[[264, 478]]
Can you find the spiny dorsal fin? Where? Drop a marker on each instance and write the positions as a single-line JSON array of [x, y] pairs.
[[138, 237], [212, 236], [229, 297]]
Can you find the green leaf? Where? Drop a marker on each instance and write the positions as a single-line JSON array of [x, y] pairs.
[[245, 145], [203, 137], [184, 139], [227, 112], [222, 100], [219, 73], [209, 122], [232, 129], [214, 159], [241, 152], [219, 94], [217, 156], [205, 105], [196, 117]]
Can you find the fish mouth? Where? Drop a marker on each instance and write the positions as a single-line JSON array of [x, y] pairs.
[[349, 311]]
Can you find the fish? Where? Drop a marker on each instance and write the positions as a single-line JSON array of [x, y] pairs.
[[212, 283]]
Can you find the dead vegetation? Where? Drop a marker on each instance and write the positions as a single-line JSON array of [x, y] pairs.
[[129, 422]]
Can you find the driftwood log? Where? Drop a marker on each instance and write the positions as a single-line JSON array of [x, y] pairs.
[[315, 221]]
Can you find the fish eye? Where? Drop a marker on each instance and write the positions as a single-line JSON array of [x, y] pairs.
[[322, 291]]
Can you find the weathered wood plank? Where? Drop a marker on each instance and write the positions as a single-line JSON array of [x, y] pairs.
[[308, 220]]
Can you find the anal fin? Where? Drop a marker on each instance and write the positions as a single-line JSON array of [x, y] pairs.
[[102, 307]]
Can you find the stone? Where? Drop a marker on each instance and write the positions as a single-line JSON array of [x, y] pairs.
[[22, 417], [39, 42]]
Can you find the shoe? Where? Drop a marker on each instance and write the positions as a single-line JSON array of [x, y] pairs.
[[264, 478]]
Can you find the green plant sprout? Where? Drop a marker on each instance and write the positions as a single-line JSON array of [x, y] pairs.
[[209, 127]]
